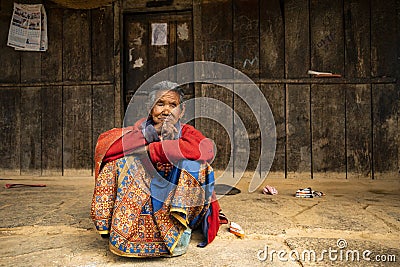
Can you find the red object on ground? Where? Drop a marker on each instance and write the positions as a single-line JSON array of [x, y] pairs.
[[21, 185]]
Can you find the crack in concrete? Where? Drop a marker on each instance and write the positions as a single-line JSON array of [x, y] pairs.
[[31, 253]]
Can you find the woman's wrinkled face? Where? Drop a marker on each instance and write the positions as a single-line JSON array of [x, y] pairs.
[[166, 108]]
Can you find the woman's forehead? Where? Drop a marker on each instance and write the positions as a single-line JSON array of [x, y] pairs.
[[167, 94]]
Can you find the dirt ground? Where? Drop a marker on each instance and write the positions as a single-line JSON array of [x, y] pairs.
[[357, 223]]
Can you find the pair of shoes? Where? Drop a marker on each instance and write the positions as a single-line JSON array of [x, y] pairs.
[[269, 190], [304, 193], [308, 193]]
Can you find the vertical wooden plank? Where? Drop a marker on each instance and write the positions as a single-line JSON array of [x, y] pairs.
[[184, 40], [383, 36], [327, 44], [52, 131], [248, 115], [10, 130], [172, 45], [246, 35], [298, 130], [297, 36], [9, 58], [159, 55], [77, 131], [297, 63], [275, 95], [135, 64], [217, 46], [52, 107], [358, 131], [327, 101], [385, 131], [52, 62], [76, 45], [357, 38], [272, 39], [246, 59], [102, 43], [185, 53], [217, 123], [328, 130], [77, 100], [31, 139], [358, 97], [103, 110], [217, 35], [31, 66]]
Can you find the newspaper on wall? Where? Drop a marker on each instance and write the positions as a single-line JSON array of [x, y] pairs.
[[28, 28]]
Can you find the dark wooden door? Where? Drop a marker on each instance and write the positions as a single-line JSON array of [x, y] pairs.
[[153, 42]]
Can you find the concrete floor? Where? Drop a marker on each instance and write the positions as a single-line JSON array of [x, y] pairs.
[[50, 226]]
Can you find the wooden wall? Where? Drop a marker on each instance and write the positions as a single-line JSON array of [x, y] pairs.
[[54, 104], [344, 127]]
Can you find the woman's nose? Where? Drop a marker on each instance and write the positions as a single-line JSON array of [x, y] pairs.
[[166, 110]]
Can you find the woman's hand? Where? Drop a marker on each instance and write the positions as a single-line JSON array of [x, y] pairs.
[[168, 131]]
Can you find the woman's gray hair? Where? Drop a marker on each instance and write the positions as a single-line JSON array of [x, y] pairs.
[[165, 86]]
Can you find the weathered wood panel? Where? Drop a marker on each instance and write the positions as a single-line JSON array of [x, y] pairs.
[[298, 131], [246, 59], [103, 110], [52, 130], [327, 38], [9, 58], [297, 36], [217, 37], [327, 101], [383, 36], [272, 39], [185, 53], [31, 138], [358, 131], [248, 139], [297, 63], [216, 122], [246, 44], [102, 33], [52, 105], [357, 38], [31, 66], [358, 97], [385, 107], [10, 124], [77, 130], [157, 5], [76, 45], [159, 56], [52, 63], [77, 100], [275, 95], [328, 130], [217, 46], [135, 64]]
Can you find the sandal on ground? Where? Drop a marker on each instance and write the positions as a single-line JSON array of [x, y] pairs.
[[269, 190]]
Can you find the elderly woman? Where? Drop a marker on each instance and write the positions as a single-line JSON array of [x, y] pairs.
[[153, 182]]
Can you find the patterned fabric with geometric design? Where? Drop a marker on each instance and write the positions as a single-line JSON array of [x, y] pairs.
[[145, 215]]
